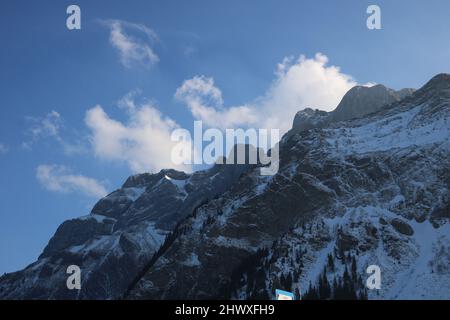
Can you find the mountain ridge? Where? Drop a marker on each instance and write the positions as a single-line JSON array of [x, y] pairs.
[[374, 188]]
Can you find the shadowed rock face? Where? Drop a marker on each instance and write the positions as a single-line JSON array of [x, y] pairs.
[[123, 231], [375, 187], [402, 227], [308, 119], [335, 192], [361, 100]]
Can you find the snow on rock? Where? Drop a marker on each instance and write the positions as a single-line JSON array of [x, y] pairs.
[[192, 261], [372, 190], [134, 193], [396, 131]]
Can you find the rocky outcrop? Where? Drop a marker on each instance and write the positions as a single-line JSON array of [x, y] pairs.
[[402, 227], [357, 102], [360, 101]]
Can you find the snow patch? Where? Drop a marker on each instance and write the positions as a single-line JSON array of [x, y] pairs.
[[180, 184], [388, 133], [133, 193], [192, 261]]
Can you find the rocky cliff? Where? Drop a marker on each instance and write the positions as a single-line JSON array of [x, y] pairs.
[[368, 190]]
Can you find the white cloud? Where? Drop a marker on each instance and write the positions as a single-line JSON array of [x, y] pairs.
[[205, 103], [143, 141], [59, 179], [133, 49], [298, 84], [189, 50], [44, 127], [3, 148], [49, 126]]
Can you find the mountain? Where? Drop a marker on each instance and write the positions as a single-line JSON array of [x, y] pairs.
[[370, 190], [124, 230], [357, 102]]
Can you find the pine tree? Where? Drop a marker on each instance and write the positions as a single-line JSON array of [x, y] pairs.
[[307, 294], [330, 262], [288, 283], [324, 287], [260, 278], [341, 253], [348, 292], [363, 294], [354, 269], [335, 289], [311, 294], [346, 276], [298, 257], [321, 288], [297, 294], [282, 280]]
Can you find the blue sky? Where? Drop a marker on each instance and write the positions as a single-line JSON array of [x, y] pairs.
[[59, 152]]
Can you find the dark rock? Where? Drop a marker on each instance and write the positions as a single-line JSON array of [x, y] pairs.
[[345, 242], [402, 227]]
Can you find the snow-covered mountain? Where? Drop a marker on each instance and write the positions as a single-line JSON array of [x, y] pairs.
[[370, 189], [117, 239]]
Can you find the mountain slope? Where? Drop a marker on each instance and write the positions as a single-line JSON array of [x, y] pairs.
[[369, 190], [122, 233], [373, 188]]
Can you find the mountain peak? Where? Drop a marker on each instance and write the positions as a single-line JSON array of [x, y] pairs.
[[434, 92], [362, 100], [438, 82], [357, 102], [441, 77], [308, 118]]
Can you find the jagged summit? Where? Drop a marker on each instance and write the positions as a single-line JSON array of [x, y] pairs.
[[307, 119], [438, 85], [362, 100], [358, 102], [439, 79]]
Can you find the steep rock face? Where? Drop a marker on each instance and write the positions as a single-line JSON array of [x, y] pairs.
[[361, 100], [308, 119], [374, 189], [365, 189], [122, 233]]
